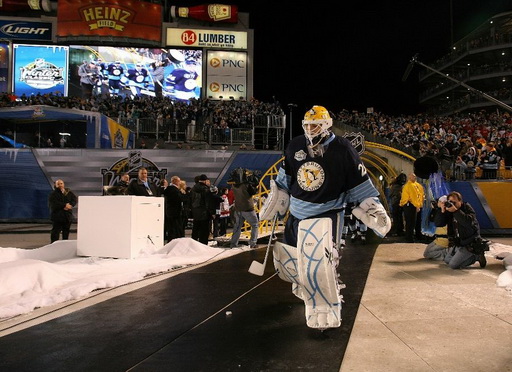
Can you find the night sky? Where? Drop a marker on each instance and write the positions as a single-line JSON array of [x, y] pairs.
[[353, 55]]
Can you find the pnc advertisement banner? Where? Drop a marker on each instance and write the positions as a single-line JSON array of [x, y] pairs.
[[227, 63], [226, 74], [22, 30], [187, 37], [225, 87], [127, 19]]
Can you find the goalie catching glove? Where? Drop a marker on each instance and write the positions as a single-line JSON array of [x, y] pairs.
[[372, 214], [277, 202]]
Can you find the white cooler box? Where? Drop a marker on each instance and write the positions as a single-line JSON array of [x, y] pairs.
[[119, 226]]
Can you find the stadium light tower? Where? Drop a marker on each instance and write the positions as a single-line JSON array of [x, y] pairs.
[[291, 106]]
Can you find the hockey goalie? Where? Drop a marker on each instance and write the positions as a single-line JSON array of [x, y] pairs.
[[322, 172]]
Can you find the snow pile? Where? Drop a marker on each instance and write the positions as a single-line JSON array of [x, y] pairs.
[[504, 252], [53, 274]]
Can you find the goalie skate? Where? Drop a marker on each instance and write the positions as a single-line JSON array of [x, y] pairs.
[[318, 278]]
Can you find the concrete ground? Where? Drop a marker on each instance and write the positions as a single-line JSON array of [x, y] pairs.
[[415, 315]]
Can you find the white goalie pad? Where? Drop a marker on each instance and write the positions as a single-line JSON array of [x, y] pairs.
[[317, 273], [285, 263], [372, 214], [311, 268], [277, 202]]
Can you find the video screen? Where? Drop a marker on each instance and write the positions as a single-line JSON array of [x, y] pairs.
[[4, 67], [40, 69], [131, 72]]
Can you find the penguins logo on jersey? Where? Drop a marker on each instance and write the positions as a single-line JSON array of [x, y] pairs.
[[310, 176]]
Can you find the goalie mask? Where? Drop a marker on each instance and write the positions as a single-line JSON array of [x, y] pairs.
[[316, 124]]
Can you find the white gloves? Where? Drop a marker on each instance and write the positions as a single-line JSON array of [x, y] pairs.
[[277, 201], [372, 214]]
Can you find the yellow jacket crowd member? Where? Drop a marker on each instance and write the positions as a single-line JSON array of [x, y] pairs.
[[412, 200]]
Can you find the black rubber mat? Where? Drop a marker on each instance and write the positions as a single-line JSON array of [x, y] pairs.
[[180, 324]]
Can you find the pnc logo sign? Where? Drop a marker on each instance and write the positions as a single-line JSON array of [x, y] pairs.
[[225, 87], [215, 62]]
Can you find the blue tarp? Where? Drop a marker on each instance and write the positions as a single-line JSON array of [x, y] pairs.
[[13, 143]]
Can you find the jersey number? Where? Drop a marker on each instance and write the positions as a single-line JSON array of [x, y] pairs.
[[362, 169]]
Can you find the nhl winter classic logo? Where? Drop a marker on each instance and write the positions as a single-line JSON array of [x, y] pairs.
[[310, 176], [300, 155], [41, 74]]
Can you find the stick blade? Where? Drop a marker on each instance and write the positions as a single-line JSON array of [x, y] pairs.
[[257, 268]]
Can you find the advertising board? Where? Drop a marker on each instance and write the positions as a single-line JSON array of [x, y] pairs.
[[40, 69]]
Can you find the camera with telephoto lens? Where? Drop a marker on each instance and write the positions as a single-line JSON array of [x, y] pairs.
[[448, 204]]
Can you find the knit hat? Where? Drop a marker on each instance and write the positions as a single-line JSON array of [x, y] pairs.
[[203, 177]]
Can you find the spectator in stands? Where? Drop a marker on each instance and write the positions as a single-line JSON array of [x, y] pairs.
[[463, 232], [143, 186], [489, 161], [459, 169], [61, 202], [507, 154]]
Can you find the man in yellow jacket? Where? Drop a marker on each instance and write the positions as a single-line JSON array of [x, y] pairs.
[[412, 200]]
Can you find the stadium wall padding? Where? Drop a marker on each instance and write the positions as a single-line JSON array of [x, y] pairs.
[[29, 173]]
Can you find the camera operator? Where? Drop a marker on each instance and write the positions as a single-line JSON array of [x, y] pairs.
[[463, 232]]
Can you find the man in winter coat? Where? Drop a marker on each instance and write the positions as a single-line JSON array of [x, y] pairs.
[[61, 202]]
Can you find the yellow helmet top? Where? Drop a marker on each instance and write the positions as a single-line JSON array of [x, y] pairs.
[[317, 113]]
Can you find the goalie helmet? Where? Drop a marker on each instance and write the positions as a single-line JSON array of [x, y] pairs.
[[316, 124]]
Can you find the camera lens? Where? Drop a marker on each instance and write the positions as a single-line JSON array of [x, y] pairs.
[[448, 204]]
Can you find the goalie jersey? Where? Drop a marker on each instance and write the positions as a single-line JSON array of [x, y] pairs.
[[324, 183]]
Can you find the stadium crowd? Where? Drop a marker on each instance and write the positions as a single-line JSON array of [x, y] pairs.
[[233, 113], [462, 142]]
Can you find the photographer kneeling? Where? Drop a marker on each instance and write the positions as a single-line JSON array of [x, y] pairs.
[[466, 246]]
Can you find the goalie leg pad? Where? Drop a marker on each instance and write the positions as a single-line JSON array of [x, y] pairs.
[[317, 273], [285, 263]]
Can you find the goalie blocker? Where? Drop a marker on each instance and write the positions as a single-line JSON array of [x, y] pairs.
[[372, 213], [277, 202]]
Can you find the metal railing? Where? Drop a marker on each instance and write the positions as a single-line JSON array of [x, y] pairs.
[[179, 130]]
